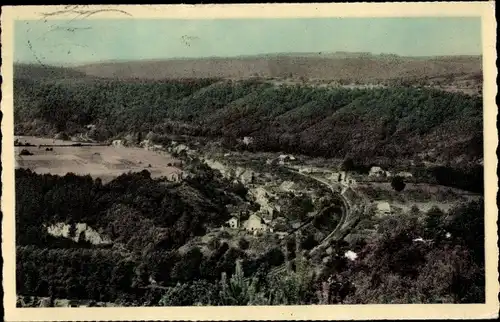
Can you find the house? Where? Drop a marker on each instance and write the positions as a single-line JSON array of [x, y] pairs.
[[383, 208], [233, 222], [266, 216], [248, 140], [376, 172], [351, 255], [345, 178], [403, 174], [281, 234], [335, 177], [175, 176], [255, 223], [288, 186], [283, 158]]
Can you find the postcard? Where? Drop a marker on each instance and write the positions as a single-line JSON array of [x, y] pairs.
[[249, 162]]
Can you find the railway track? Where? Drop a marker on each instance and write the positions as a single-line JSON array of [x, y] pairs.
[[348, 209]]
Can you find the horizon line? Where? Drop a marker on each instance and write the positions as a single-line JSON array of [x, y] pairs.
[[356, 54]]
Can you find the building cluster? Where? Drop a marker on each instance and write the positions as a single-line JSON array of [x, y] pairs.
[[378, 172], [283, 159], [255, 223], [342, 177], [258, 223]]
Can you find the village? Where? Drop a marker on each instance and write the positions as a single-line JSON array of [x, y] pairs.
[[287, 190], [273, 191]]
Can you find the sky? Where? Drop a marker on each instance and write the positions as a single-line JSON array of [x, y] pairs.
[[91, 40]]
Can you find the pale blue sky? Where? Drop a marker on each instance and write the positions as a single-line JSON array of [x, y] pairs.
[[54, 42]]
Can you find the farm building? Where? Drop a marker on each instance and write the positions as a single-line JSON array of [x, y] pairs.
[[351, 255]]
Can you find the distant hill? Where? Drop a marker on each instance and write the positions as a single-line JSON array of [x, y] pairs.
[[38, 71], [360, 67]]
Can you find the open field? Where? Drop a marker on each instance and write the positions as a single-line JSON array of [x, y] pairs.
[[105, 162]]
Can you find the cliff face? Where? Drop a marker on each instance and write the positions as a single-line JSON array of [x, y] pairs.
[[89, 234]]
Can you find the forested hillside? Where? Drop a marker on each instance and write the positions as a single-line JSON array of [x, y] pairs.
[[391, 123]]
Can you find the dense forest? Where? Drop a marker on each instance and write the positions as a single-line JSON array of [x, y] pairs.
[[385, 123], [149, 219]]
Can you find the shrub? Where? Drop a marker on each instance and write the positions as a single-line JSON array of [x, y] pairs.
[[25, 152], [243, 243], [398, 184]]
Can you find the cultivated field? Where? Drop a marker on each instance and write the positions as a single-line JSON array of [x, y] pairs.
[[105, 162]]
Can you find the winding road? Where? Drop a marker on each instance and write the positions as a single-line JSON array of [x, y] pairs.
[[348, 209]]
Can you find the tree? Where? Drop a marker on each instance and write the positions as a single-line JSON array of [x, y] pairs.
[[348, 164], [239, 291], [243, 243], [434, 222], [240, 189], [398, 183]]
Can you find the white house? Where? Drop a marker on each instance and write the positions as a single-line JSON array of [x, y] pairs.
[[383, 208], [247, 140], [351, 255], [405, 174], [335, 177], [376, 172], [255, 223], [233, 222]]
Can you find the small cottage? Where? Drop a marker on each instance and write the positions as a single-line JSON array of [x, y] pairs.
[[233, 223], [376, 172], [383, 208]]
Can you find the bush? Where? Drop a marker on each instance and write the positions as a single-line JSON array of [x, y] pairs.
[[25, 152], [398, 184], [240, 189], [348, 164], [243, 243]]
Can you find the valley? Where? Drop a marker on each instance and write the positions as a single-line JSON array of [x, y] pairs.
[[153, 189]]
